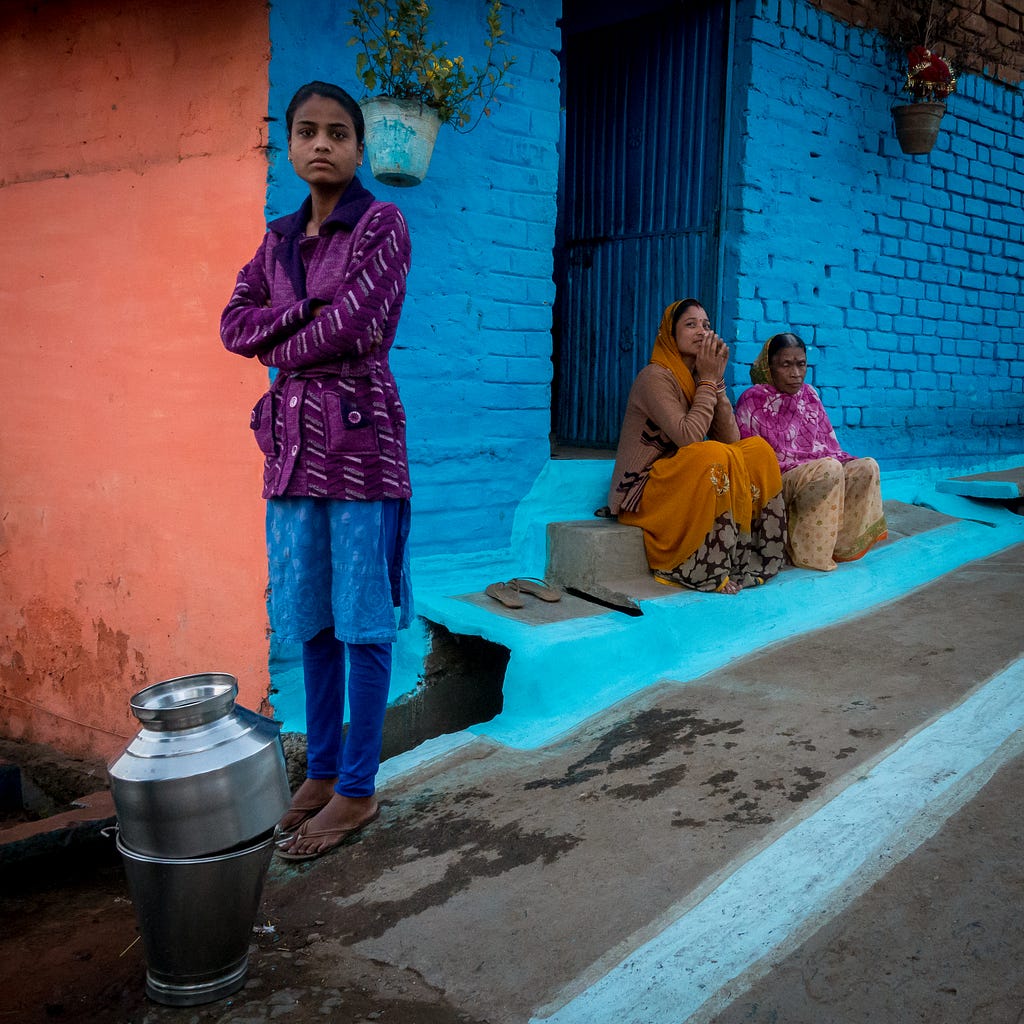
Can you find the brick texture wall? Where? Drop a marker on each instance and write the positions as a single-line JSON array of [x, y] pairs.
[[984, 21], [902, 272]]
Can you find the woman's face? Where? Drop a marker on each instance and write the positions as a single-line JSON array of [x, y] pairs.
[[691, 328], [788, 368], [322, 146]]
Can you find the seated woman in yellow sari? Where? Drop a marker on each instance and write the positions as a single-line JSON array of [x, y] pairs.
[[833, 500], [711, 510]]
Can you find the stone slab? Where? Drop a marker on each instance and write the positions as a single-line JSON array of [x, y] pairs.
[[24, 841], [1005, 485], [584, 550]]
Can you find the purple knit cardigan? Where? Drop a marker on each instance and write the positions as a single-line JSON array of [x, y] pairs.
[[332, 424]]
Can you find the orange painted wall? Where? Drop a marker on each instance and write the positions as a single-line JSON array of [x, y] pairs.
[[131, 527]]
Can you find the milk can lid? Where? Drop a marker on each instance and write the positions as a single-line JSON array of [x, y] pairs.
[[186, 701]]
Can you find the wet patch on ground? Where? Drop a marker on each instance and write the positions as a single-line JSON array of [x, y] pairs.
[[429, 850], [755, 801], [637, 742], [675, 784]]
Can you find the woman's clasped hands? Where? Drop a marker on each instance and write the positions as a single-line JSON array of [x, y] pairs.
[[712, 358]]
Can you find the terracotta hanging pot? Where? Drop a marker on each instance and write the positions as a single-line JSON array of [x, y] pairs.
[[917, 126], [400, 137]]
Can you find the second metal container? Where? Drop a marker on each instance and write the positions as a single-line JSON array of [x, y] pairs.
[[196, 918], [203, 775]]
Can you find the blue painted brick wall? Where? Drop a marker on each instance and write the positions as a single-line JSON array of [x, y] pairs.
[[902, 272], [473, 352]]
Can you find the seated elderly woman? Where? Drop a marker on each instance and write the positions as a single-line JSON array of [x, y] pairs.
[[833, 500], [711, 510]]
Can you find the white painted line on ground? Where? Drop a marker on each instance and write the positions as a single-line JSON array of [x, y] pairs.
[[755, 910]]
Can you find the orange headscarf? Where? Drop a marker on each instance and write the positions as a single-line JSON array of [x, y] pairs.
[[666, 353]]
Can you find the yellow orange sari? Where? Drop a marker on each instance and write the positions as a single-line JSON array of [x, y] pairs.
[[711, 512]]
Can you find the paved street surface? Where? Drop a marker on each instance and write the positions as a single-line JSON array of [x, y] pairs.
[[825, 830]]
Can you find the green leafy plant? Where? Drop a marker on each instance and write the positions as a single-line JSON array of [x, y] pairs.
[[399, 61]]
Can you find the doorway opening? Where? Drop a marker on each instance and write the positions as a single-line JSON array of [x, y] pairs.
[[643, 94]]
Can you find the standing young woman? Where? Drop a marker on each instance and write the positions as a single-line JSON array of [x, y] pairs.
[[711, 510], [320, 302]]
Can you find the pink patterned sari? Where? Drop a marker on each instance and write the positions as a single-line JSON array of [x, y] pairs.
[[833, 500]]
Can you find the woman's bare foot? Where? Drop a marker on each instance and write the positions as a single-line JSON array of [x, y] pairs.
[[342, 817], [308, 799], [730, 586]]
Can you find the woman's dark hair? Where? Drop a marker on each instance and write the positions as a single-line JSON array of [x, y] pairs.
[[331, 92], [682, 308], [785, 340]]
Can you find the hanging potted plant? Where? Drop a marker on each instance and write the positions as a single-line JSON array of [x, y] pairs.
[[414, 87], [913, 30], [930, 81]]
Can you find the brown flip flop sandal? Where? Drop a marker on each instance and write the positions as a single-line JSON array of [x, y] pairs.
[[537, 587], [305, 812], [335, 837], [504, 594]]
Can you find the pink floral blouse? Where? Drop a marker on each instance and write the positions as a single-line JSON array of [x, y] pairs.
[[796, 426]]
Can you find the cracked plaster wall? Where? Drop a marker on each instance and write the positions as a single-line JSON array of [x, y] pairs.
[[131, 542]]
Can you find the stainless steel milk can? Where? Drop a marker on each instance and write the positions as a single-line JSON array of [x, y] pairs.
[[202, 775], [197, 793]]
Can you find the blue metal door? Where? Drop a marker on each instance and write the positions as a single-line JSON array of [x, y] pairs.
[[638, 214]]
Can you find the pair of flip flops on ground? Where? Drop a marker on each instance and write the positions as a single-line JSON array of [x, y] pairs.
[[509, 594], [299, 830]]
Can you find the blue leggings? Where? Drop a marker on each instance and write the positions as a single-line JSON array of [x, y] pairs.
[[356, 758]]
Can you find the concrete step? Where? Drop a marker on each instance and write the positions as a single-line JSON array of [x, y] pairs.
[[605, 559], [600, 558]]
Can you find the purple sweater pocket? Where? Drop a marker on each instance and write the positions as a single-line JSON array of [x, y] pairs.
[[262, 423], [349, 428]]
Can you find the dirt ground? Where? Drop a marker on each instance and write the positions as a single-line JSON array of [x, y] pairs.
[[70, 949], [70, 952], [497, 877], [938, 940], [940, 935]]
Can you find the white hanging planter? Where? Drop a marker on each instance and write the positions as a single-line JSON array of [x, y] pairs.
[[400, 137]]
